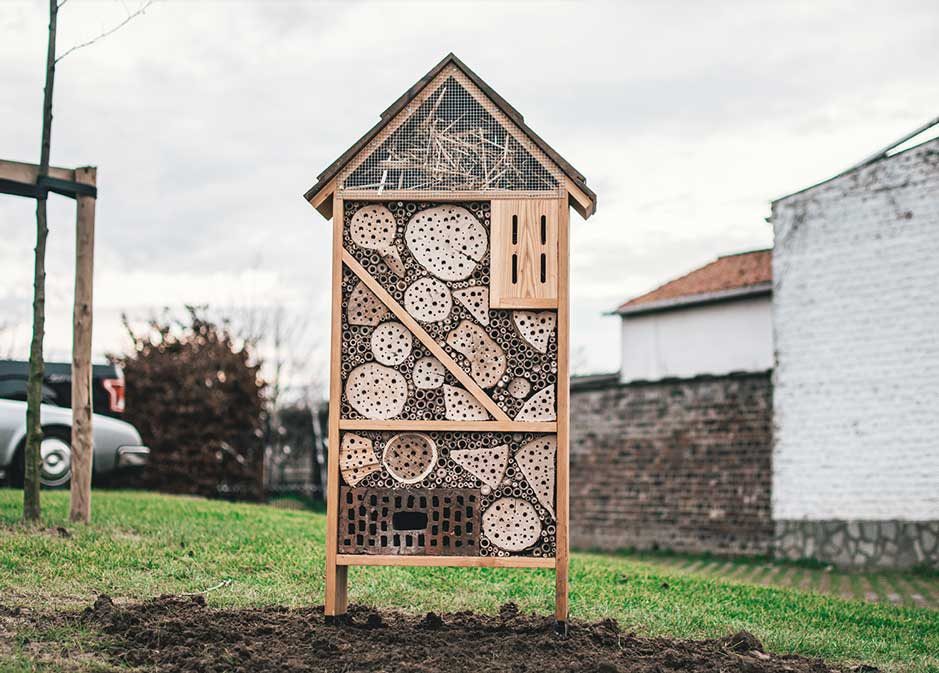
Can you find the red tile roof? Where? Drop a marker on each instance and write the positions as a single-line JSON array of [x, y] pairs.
[[730, 272]]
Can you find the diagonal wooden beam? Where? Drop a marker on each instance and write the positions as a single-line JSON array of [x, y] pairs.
[[428, 341]]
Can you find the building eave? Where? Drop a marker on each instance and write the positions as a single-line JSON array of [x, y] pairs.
[[687, 301]]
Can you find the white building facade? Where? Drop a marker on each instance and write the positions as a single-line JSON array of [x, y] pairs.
[[856, 384]]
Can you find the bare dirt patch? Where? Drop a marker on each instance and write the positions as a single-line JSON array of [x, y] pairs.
[[182, 635]]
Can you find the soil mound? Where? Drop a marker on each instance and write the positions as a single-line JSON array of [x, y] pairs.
[[182, 635]]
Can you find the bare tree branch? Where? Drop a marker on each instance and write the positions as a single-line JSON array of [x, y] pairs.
[[130, 17]]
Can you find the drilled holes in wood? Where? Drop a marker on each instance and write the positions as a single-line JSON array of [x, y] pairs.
[[357, 458], [476, 301], [537, 461], [428, 300], [461, 406], [410, 456], [446, 240], [486, 464], [428, 373], [487, 359], [535, 327], [376, 392], [511, 524], [539, 407]]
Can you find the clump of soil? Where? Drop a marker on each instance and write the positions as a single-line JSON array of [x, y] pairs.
[[182, 635]]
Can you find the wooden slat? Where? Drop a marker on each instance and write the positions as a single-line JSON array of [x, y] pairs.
[[452, 426], [323, 199], [421, 334], [584, 205], [336, 575], [562, 497], [27, 174], [455, 561]]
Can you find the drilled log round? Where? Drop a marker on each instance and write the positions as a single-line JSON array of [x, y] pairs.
[[539, 407], [476, 301], [486, 464], [364, 307], [357, 458], [391, 343], [410, 456], [536, 459], [487, 359], [428, 300], [373, 227], [519, 387], [376, 392], [535, 327], [459, 405], [428, 373], [447, 240], [512, 524]]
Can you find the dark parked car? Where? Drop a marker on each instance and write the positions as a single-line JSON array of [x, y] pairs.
[[107, 385]]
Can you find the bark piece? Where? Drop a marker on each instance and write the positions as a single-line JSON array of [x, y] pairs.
[[486, 464], [428, 300], [377, 392], [446, 240], [364, 307], [410, 456], [476, 301], [511, 524], [428, 373], [535, 327], [391, 343], [539, 407], [536, 460], [459, 405], [487, 359], [357, 458]]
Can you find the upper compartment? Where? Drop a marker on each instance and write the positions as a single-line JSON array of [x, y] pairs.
[[450, 136]]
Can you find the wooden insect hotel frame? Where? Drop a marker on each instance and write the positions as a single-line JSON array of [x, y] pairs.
[[448, 417]]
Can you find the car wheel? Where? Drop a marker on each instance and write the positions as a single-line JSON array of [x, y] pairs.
[[55, 467], [55, 452]]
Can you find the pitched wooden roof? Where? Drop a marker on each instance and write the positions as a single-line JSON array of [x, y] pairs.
[[726, 277], [324, 180]]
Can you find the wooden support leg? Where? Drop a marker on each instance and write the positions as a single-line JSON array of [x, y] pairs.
[[560, 596], [336, 594]]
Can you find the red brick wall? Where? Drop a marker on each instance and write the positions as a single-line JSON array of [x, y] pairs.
[[682, 465]]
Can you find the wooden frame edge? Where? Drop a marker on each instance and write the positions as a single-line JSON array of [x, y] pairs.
[[450, 426], [346, 560]]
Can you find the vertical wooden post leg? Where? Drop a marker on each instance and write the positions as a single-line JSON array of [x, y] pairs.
[[560, 596], [82, 441], [336, 592], [336, 575]]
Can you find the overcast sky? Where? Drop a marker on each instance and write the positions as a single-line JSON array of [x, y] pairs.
[[208, 120]]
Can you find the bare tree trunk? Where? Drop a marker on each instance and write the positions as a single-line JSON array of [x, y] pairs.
[[31, 506]]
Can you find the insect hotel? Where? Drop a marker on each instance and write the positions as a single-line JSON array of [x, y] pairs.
[[448, 419]]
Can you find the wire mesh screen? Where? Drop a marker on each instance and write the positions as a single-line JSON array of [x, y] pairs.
[[451, 142]]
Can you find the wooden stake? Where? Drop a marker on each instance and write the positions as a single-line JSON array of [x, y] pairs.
[[82, 439], [336, 575]]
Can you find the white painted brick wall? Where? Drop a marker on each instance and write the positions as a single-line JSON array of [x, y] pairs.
[[856, 319]]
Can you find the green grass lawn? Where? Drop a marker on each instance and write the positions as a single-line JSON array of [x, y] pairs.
[[142, 545]]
